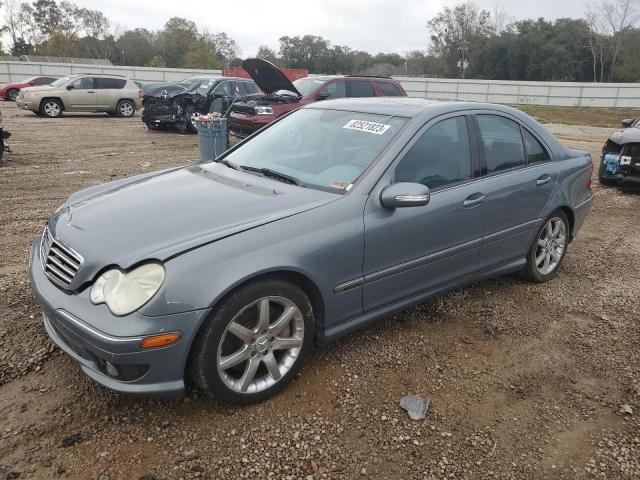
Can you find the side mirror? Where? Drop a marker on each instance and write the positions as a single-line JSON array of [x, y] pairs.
[[405, 194], [322, 96], [627, 123], [69, 87]]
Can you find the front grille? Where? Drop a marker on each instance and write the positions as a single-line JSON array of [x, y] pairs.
[[60, 263]]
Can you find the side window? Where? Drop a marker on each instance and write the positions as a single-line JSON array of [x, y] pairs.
[[536, 153], [440, 157], [238, 88], [360, 88], [223, 88], [502, 141], [251, 87], [112, 83], [84, 83], [389, 89], [336, 89]]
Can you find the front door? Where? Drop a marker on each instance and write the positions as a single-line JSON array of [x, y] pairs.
[[415, 249], [82, 95], [519, 178]]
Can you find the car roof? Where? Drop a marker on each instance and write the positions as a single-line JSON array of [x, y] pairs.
[[408, 107]]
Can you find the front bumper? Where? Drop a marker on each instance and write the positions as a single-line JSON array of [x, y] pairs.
[[163, 119], [115, 360], [242, 125], [24, 105]]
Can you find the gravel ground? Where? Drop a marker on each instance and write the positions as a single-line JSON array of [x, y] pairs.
[[526, 381]]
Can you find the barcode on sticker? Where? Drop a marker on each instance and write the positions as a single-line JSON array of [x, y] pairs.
[[370, 127]]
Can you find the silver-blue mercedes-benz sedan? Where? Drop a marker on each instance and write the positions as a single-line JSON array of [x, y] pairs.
[[333, 216]]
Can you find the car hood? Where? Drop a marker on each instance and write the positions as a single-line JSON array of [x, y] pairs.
[[159, 216], [628, 135], [268, 77]]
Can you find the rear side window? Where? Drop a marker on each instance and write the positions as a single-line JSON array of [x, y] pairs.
[[440, 157], [360, 88], [536, 153], [389, 89], [113, 83], [336, 89], [502, 141]]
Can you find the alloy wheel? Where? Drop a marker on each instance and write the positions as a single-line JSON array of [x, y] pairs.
[[552, 243], [52, 109], [12, 94], [260, 345], [126, 109], [194, 119]]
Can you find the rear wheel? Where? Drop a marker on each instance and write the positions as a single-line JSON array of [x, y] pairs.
[[548, 248], [51, 108], [125, 109], [12, 94], [254, 342]]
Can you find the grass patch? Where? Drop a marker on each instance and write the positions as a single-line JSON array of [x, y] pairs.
[[593, 117]]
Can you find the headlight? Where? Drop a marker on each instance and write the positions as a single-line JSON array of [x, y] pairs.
[[264, 110], [27, 94], [125, 293]]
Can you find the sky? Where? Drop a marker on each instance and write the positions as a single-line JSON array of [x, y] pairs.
[[370, 25]]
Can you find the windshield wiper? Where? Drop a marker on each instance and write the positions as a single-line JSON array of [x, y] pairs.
[[283, 177], [228, 164]]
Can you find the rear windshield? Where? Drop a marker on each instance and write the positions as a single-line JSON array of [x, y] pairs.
[[327, 149]]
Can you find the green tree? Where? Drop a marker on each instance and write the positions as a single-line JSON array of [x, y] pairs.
[[177, 37]]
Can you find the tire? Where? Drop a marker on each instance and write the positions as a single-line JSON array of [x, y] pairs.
[[112, 114], [51, 107], [273, 357], [189, 115], [12, 94], [125, 109], [544, 261], [602, 179]]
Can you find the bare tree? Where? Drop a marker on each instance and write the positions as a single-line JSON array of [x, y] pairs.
[[598, 38], [619, 15]]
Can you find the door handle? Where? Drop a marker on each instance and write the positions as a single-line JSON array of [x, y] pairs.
[[543, 180], [473, 200], [91, 91]]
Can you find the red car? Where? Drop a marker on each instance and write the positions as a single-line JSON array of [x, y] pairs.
[[282, 96], [9, 91]]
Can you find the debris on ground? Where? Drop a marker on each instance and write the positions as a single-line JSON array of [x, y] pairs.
[[416, 406]]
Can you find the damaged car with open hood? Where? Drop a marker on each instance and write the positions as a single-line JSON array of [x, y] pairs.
[[283, 96], [181, 107], [620, 161]]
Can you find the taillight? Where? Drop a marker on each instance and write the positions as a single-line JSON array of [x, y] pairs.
[[140, 94], [590, 180]]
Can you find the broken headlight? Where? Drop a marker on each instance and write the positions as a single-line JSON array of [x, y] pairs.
[[263, 110], [126, 292]]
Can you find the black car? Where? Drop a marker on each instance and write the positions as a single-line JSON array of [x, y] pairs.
[[180, 104], [620, 161]]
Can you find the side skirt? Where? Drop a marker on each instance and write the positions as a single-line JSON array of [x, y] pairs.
[[337, 331]]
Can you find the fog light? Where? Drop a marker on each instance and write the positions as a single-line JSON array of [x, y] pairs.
[[162, 340], [111, 369]]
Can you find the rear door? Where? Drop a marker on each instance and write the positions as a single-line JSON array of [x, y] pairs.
[[82, 95], [519, 178], [109, 91], [360, 88], [418, 249]]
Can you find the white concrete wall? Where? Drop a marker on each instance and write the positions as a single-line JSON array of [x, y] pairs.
[[526, 93], [495, 91]]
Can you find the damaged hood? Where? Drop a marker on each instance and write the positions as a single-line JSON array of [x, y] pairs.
[[268, 77], [628, 135], [158, 216]]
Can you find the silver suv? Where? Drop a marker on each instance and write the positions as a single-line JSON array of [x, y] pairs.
[[112, 94]]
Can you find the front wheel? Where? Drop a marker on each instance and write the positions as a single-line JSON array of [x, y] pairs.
[[190, 118], [51, 108], [253, 343], [12, 94], [548, 248], [602, 179]]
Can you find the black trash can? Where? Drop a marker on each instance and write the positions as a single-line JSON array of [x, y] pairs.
[[213, 137]]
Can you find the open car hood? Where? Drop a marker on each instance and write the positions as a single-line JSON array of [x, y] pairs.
[[268, 77]]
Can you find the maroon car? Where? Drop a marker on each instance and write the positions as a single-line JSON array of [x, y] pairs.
[[9, 91], [282, 96]]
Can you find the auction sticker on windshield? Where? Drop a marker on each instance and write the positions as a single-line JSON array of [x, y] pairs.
[[369, 127]]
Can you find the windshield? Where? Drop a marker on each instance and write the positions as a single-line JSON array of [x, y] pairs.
[[327, 149], [204, 87], [61, 81], [307, 86], [637, 124]]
